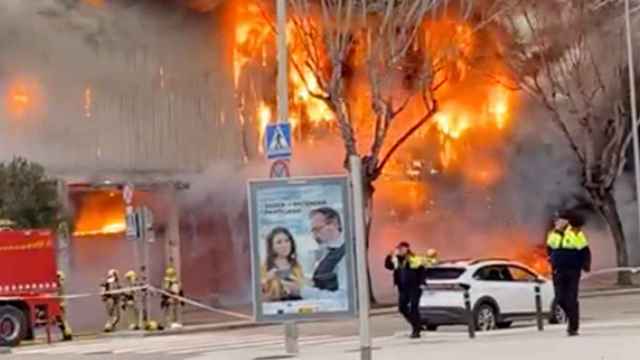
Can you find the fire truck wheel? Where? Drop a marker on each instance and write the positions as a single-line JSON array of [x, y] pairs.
[[13, 325]]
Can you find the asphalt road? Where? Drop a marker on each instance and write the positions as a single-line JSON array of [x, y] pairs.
[[318, 336]]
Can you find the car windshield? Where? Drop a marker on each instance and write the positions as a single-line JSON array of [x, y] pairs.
[[444, 273]]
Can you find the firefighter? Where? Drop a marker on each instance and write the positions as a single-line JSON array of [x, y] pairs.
[[408, 277], [130, 301], [431, 258], [169, 302], [110, 299], [61, 320], [570, 255], [6, 224]]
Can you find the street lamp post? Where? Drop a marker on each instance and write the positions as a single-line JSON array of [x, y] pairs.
[[634, 112]]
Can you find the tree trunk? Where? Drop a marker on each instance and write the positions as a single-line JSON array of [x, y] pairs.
[[368, 208], [607, 207]]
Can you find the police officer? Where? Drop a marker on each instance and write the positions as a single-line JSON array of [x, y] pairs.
[[111, 283], [570, 255], [408, 277], [169, 304], [130, 301], [62, 318]]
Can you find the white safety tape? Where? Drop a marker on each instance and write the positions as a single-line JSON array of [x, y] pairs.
[[150, 288], [73, 296], [200, 305], [632, 270]]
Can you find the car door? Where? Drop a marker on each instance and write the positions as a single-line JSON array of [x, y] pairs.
[[522, 283], [493, 281]]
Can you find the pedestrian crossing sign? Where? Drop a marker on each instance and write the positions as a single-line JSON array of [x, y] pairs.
[[278, 141]]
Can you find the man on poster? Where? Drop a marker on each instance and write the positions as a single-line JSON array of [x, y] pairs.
[[329, 274]]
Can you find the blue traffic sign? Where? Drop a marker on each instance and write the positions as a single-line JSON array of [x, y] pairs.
[[278, 141]]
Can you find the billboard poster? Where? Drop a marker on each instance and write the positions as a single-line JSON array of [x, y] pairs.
[[302, 249]]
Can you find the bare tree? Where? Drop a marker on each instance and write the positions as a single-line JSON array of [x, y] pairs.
[[569, 55], [393, 55]]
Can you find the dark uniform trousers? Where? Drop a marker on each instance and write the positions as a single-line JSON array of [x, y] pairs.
[[566, 283], [408, 304]]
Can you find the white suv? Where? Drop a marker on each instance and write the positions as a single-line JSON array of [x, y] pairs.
[[501, 292]]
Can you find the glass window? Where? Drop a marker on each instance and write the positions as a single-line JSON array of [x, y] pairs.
[[443, 273], [521, 274], [493, 273]]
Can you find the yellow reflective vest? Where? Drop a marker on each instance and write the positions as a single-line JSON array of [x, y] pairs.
[[570, 239]]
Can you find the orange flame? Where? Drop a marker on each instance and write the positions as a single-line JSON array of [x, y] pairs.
[[99, 213]]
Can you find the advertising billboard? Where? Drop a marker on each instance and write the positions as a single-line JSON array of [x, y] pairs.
[[302, 248]]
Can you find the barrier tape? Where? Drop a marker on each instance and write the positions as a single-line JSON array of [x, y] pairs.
[[150, 288], [632, 270], [73, 296], [200, 305]]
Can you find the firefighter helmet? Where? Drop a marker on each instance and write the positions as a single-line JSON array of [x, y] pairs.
[[7, 224], [170, 273], [60, 275], [130, 275]]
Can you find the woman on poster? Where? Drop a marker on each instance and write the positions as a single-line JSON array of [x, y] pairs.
[[282, 276]]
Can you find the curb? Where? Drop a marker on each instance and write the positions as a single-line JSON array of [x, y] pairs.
[[607, 293]]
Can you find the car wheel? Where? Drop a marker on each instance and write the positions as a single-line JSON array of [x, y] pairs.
[[558, 316], [485, 317], [13, 326], [504, 324], [432, 327]]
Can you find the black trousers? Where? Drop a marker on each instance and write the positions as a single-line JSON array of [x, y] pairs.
[[566, 283], [408, 304]]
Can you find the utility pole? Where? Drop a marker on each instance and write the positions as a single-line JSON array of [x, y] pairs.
[[283, 91]]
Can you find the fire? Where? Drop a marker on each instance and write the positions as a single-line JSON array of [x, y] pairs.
[[100, 213], [88, 102], [18, 99], [251, 32], [264, 118]]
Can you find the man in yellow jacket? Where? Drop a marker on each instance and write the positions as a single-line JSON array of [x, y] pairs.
[[408, 276], [570, 255]]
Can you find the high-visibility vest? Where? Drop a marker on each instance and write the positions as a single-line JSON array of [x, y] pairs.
[[570, 239], [413, 261]]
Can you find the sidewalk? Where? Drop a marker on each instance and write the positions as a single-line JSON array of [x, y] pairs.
[[608, 341]]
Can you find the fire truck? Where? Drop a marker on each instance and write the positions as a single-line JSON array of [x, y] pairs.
[[28, 284]]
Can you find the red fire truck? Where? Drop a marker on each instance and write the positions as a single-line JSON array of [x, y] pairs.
[[28, 283]]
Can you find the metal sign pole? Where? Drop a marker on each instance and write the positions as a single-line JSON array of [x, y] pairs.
[[632, 99], [361, 257], [291, 329]]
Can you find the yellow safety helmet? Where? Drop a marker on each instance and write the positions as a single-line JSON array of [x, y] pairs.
[[6, 223], [170, 272], [130, 275], [432, 253]]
